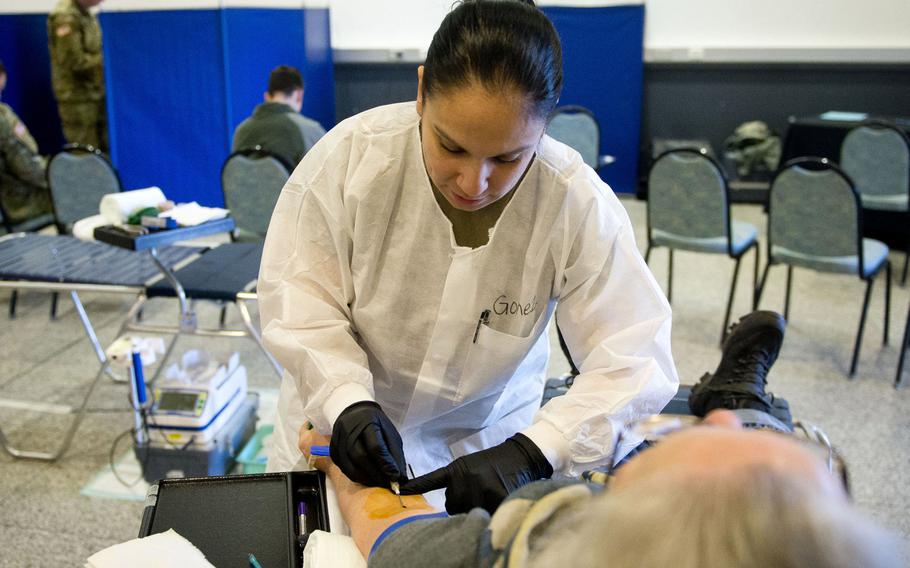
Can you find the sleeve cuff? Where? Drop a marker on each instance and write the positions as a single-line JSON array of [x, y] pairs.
[[551, 442], [343, 397]]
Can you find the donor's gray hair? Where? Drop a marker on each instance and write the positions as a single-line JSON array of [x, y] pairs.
[[758, 519]]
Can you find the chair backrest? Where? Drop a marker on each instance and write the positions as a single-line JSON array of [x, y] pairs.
[[688, 195], [576, 127], [814, 211], [876, 156], [78, 177], [251, 180]]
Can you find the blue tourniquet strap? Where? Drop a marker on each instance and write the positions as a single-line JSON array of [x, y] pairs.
[[393, 527]]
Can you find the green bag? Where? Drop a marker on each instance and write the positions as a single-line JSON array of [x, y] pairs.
[[753, 148]]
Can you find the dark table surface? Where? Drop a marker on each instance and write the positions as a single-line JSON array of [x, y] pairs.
[[822, 137]]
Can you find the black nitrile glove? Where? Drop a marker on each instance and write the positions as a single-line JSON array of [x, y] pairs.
[[485, 478], [367, 447]]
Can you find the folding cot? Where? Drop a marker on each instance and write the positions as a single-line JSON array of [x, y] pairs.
[[65, 264]]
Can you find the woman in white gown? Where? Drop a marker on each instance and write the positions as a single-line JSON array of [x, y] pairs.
[[414, 260]]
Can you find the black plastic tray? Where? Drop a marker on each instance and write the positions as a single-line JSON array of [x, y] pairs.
[[230, 517]]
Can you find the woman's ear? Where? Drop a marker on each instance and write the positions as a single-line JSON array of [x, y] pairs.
[[420, 90]]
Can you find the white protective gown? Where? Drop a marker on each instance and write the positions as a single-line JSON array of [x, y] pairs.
[[364, 295]]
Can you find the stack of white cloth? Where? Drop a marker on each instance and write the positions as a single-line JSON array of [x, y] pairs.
[[162, 550]]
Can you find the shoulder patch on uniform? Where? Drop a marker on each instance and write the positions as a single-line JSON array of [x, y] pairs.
[[20, 130], [63, 30]]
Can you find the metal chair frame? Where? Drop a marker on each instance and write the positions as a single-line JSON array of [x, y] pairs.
[[885, 125], [737, 257], [254, 152], [62, 227], [824, 163], [905, 343], [602, 159], [72, 149]]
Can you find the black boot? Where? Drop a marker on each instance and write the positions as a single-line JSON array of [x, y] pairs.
[[749, 351]]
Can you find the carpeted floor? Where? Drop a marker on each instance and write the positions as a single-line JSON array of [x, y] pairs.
[[46, 522]]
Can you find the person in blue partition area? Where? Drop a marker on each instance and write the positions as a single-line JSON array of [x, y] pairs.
[[415, 258], [277, 125], [733, 486], [23, 189]]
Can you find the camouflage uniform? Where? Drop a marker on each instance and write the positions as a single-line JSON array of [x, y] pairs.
[[77, 73], [23, 188]]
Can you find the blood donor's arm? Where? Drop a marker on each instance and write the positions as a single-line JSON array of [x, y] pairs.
[[368, 511]]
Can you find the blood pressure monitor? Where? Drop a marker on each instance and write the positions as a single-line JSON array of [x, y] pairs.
[[191, 409], [177, 402]]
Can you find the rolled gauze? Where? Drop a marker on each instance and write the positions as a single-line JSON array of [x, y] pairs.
[[117, 207]]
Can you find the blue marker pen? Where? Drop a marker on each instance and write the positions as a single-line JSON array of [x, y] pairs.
[[139, 378]]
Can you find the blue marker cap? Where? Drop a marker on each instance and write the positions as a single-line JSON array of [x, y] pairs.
[[319, 451]]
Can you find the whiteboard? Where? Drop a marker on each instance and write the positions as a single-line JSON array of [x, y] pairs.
[[835, 30]]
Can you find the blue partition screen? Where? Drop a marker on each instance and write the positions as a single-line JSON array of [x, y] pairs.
[[318, 67], [258, 40], [602, 58], [167, 100], [180, 81]]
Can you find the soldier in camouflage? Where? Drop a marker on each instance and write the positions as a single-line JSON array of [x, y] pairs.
[[77, 71], [23, 189]]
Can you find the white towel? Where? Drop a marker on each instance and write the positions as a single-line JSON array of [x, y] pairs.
[[162, 550], [189, 214], [326, 549], [117, 207]]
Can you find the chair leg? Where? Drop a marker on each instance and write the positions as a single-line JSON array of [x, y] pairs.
[[670, 278], [755, 278], [723, 330], [862, 325], [54, 299], [223, 316], [887, 300], [789, 288], [900, 360], [761, 285], [906, 260], [13, 298], [565, 351], [647, 253]]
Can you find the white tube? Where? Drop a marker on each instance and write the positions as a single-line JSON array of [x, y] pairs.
[[117, 207]]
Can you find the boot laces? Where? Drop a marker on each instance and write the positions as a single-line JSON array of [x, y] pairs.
[[751, 364]]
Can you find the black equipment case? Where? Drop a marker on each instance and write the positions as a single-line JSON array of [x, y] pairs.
[[230, 517]]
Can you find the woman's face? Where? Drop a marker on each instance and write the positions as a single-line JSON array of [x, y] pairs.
[[476, 144]]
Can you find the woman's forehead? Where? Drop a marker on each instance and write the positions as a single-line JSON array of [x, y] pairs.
[[474, 115]]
